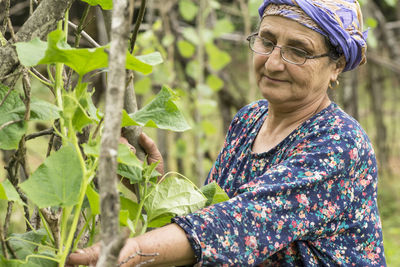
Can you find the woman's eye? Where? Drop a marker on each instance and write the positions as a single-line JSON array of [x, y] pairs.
[[298, 52]]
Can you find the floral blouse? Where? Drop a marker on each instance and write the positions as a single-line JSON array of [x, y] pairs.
[[310, 201]]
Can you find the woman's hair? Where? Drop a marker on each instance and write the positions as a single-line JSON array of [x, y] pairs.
[[334, 52]]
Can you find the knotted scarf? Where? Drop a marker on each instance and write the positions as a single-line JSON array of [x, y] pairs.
[[338, 20]]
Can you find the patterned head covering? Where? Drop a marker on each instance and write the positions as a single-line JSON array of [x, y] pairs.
[[338, 20]]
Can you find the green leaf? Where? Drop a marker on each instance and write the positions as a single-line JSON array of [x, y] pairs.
[[173, 196], [17, 263], [105, 4], [214, 82], [82, 60], [160, 113], [8, 192], [12, 110], [208, 128], [22, 244], [223, 26], [94, 200], [188, 9], [371, 22], [186, 49], [160, 221], [57, 181], [193, 69], [129, 205], [191, 35], [11, 135], [218, 59], [133, 173], [214, 193], [143, 86], [151, 59]]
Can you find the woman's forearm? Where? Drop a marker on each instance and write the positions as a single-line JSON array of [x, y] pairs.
[[169, 242]]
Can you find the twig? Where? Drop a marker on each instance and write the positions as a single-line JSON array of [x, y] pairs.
[[84, 35], [137, 25], [43, 79], [6, 15], [5, 227], [139, 253], [53, 220], [39, 134], [4, 125], [5, 97], [27, 91], [3, 242]]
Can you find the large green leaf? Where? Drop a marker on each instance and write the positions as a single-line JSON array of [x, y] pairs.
[[160, 113], [57, 181], [214, 193], [105, 4], [173, 196], [13, 110], [82, 60], [8, 192]]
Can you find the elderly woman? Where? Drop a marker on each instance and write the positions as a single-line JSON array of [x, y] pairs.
[[301, 173]]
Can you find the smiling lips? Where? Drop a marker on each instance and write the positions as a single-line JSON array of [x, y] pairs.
[[270, 79]]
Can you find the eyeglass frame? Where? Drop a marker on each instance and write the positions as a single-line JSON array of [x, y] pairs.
[[306, 57]]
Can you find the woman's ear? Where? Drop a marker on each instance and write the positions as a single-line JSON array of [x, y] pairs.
[[339, 65]]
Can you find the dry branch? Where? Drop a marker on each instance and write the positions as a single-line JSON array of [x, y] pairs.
[[111, 240]]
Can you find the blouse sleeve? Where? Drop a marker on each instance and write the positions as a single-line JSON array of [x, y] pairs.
[[296, 199]]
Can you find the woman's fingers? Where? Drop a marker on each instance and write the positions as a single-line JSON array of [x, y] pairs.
[[153, 154], [124, 141], [87, 256]]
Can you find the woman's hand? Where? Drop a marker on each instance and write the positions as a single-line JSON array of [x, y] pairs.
[[128, 256], [165, 246], [150, 147]]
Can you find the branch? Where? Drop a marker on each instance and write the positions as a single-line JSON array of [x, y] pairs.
[[43, 20], [137, 25], [107, 173], [84, 34]]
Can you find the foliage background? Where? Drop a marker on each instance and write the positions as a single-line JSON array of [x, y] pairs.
[[207, 61]]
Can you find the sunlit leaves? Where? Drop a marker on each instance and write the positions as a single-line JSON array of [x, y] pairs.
[[57, 181]]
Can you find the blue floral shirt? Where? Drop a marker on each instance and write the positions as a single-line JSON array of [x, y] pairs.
[[310, 201]]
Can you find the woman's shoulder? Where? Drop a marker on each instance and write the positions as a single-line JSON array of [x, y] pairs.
[[335, 123], [252, 110]]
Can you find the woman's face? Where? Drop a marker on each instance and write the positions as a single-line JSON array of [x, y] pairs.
[[283, 83]]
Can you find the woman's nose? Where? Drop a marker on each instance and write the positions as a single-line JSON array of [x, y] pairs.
[[275, 61]]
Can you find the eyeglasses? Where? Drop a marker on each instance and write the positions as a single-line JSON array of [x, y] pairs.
[[289, 54]]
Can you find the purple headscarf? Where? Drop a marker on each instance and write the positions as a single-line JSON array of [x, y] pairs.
[[340, 21]]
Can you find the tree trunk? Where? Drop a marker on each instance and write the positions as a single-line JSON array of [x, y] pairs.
[[376, 90], [107, 173]]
